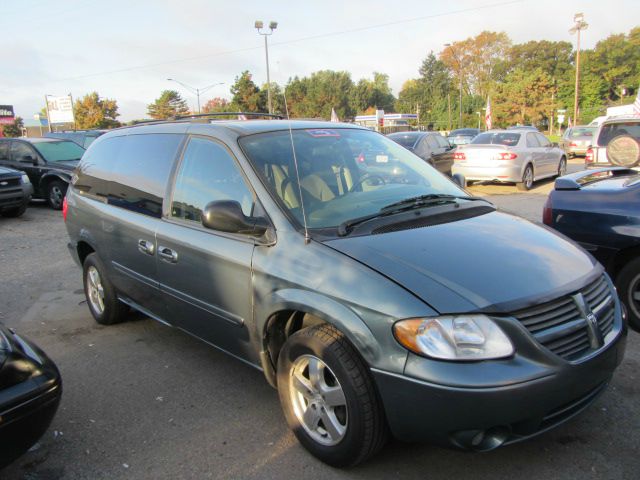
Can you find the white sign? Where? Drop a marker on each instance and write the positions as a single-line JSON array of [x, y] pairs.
[[60, 109], [560, 118]]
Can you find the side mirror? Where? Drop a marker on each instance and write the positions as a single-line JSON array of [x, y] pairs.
[[28, 159], [227, 216], [459, 180]]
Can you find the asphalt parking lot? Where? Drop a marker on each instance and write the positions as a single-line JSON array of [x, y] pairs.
[[144, 401]]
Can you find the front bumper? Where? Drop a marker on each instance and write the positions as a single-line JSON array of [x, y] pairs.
[[478, 417], [502, 173], [30, 391], [15, 196]]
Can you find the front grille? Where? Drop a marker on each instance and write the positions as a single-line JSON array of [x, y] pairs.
[[561, 325]]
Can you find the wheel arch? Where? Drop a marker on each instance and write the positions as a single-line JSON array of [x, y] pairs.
[[621, 258], [293, 310], [49, 177]]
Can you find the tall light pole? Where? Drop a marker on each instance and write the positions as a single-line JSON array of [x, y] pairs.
[[194, 90], [579, 25], [455, 56], [272, 26]]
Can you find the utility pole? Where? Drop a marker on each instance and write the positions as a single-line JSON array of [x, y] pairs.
[[454, 51], [449, 108], [195, 90], [580, 25], [272, 26]]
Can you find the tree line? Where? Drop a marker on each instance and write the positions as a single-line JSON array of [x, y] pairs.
[[527, 83]]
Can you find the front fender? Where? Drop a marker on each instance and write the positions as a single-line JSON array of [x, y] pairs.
[[379, 350], [49, 176]]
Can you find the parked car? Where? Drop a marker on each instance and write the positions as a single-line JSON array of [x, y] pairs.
[[84, 138], [462, 136], [30, 390], [600, 209], [528, 128], [49, 164], [513, 156], [617, 143], [406, 306], [430, 146], [576, 140], [15, 192]]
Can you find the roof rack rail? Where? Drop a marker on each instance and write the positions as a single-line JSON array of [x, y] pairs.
[[226, 114]]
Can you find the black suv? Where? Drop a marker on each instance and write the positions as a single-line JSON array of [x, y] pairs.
[[15, 192], [49, 164], [84, 138]]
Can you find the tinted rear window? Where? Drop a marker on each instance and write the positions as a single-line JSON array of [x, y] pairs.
[[582, 132], [501, 138], [407, 140], [464, 131], [131, 171], [611, 130], [61, 151]]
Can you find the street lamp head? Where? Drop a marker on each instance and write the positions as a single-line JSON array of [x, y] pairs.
[[258, 24], [170, 79], [578, 17], [273, 25], [447, 44]]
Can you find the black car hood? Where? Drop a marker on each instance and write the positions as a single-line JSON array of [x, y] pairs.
[[494, 262], [68, 165], [9, 171]]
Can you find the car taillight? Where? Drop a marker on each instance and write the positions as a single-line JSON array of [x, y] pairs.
[[547, 212], [459, 156], [65, 209], [360, 158], [573, 144], [506, 156], [588, 158]]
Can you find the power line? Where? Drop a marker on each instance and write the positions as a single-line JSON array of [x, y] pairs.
[[297, 40]]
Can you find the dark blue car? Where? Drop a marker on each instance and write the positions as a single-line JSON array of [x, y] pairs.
[[600, 209]]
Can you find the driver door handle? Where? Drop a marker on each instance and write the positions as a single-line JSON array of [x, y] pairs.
[[167, 254]]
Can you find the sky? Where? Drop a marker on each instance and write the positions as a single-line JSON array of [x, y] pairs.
[[126, 49]]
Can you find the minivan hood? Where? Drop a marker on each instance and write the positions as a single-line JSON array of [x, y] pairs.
[[494, 262]]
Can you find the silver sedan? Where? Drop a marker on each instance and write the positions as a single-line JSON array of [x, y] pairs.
[[510, 156]]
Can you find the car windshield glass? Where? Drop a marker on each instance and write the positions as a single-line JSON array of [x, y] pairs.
[[407, 140], [464, 131], [344, 173], [582, 132], [610, 131], [59, 151], [501, 138]]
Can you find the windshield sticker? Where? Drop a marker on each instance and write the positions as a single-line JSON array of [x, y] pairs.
[[323, 133], [382, 159]]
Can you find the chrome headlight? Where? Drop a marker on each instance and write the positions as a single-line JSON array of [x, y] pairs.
[[456, 337], [24, 178]]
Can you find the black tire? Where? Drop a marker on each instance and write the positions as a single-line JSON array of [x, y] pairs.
[[56, 190], [114, 310], [366, 429], [527, 179], [628, 283], [469, 182], [15, 212], [562, 167]]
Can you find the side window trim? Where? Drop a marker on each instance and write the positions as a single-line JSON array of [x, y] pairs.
[[166, 216]]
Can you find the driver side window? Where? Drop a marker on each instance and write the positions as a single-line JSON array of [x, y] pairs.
[[207, 173], [19, 151]]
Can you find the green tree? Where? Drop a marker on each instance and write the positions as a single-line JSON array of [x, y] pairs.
[[316, 95], [91, 111], [169, 104], [368, 94], [525, 98], [216, 105], [246, 94], [13, 129]]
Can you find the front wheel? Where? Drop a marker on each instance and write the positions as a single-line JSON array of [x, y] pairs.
[[328, 397], [628, 284], [527, 179], [56, 190], [562, 167]]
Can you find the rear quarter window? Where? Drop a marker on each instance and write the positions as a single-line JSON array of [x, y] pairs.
[[611, 130]]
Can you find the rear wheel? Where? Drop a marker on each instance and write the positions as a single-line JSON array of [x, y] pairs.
[[56, 190], [328, 397], [527, 179], [101, 296], [628, 284]]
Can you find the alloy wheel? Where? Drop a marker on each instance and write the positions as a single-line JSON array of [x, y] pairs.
[[55, 195], [318, 400], [634, 295], [562, 169], [528, 178], [95, 290]]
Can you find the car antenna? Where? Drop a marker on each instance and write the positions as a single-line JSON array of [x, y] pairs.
[[307, 239]]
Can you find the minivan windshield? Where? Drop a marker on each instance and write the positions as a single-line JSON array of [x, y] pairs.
[[61, 151], [499, 138], [344, 173]]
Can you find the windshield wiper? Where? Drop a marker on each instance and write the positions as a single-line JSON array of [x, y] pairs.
[[421, 201]]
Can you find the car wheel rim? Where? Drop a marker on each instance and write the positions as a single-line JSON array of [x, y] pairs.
[[56, 195], [528, 178], [563, 168], [634, 296], [95, 290], [318, 400]]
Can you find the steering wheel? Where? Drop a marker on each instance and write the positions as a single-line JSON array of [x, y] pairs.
[[364, 178]]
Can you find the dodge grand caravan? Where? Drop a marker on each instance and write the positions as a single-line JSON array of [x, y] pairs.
[[378, 297]]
